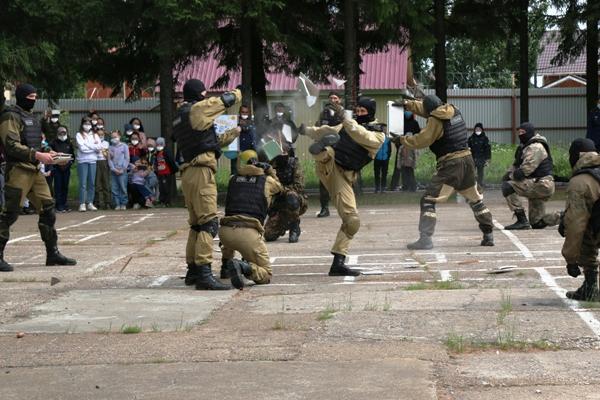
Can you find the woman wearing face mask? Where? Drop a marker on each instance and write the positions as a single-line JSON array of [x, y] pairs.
[[62, 173], [100, 125], [88, 147], [136, 150], [481, 151], [136, 125], [102, 193]]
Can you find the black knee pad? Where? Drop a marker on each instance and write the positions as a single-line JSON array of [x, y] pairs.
[[477, 206], [292, 201], [12, 199], [48, 214], [427, 205], [507, 189], [212, 227]]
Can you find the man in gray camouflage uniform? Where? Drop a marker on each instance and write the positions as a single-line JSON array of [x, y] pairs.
[[530, 176]]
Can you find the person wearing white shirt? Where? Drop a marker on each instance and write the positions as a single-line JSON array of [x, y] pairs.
[[89, 146]]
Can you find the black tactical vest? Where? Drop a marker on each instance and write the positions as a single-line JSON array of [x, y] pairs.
[[285, 168], [351, 155], [546, 166], [595, 217], [31, 133], [455, 137], [246, 196], [191, 142]]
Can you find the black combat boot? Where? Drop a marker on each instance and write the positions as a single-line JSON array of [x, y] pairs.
[[4, 266], [339, 268], [294, 232], [54, 257], [589, 290], [488, 239], [327, 140], [539, 224], [206, 280], [324, 212], [192, 275], [522, 222], [224, 272], [424, 243], [238, 270]]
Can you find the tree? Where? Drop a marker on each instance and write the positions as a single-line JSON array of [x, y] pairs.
[[574, 40]]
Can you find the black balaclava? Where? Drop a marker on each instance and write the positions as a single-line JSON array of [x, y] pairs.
[[371, 106], [431, 102], [529, 132], [580, 145], [192, 90], [21, 93]]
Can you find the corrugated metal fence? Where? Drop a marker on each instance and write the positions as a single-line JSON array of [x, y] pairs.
[[558, 114]]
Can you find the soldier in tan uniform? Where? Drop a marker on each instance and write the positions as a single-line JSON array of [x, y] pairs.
[[248, 197], [21, 136], [530, 176], [446, 136], [200, 147], [340, 153], [581, 224]]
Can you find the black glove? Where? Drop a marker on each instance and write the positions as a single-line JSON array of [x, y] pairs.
[[263, 165], [506, 177], [573, 270], [301, 130], [561, 224], [228, 99], [518, 174]]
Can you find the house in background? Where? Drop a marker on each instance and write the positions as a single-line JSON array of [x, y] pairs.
[[570, 74], [383, 75]]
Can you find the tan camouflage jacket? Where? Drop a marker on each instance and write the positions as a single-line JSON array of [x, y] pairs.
[[272, 187], [433, 130], [202, 117], [583, 191], [10, 134], [533, 155], [370, 140]]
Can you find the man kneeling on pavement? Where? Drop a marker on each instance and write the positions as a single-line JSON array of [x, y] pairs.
[[580, 225], [248, 197]]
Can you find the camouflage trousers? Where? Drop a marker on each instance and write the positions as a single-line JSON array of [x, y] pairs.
[[537, 192], [285, 212]]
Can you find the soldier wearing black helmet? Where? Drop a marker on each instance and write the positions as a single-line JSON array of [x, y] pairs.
[[446, 135], [200, 147], [340, 152]]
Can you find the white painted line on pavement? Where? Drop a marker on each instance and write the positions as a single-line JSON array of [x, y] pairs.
[[353, 259], [440, 258], [515, 240], [159, 281], [272, 260], [99, 266], [89, 221], [349, 280], [18, 239], [585, 315], [445, 275], [145, 217], [89, 237]]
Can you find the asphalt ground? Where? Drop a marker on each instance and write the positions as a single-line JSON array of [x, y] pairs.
[[436, 324]]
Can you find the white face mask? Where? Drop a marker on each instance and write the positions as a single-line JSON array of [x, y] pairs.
[[87, 127], [62, 138], [478, 132], [136, 127], [279, 114], [135, 142], [54, 119], [150, 149], [243, 116], [100, 126], [115, 140], [129, 133], [94, 122], [160, 148]]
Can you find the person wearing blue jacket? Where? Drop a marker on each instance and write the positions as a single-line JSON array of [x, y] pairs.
[[380, 165]]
